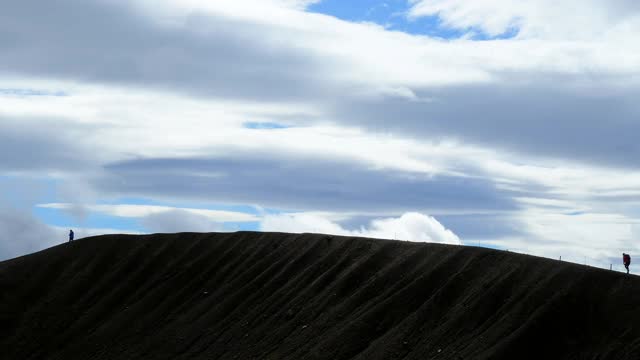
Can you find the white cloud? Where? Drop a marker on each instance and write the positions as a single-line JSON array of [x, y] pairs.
[[410, 226], [548, 19], [180, 221], [140, 211], [298, 4], [597, 239]]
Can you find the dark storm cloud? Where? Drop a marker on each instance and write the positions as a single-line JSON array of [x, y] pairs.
[[108, 42], [300, 184]]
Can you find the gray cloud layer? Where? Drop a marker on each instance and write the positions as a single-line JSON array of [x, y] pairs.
[[107, 42], [216, 56], [576, 116], [50, 145], [593, 125], [22, 233], [301, 184]]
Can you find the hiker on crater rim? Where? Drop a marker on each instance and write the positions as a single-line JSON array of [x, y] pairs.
[[626, 260], [70, 235]]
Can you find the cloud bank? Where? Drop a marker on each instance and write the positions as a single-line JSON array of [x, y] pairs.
[[410, 226]]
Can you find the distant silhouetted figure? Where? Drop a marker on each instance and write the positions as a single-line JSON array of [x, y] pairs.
[[70, 235], [626, 260]]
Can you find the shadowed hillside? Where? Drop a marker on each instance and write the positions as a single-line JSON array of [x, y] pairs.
[[283, 296]]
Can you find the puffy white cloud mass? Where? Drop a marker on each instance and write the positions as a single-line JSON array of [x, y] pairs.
[[410, 226]]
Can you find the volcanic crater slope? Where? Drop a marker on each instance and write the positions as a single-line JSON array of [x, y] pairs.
[[253, 295]]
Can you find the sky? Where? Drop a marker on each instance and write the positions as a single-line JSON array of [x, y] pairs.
[[497, 123]]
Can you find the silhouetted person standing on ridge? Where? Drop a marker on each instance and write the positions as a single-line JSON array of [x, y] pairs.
[[70, 235], [626, 260]]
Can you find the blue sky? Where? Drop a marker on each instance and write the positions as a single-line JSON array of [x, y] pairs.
[[507, 124], [394, 15], [390, 14]]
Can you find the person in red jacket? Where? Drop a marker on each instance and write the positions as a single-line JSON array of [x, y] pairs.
[[626, 260]]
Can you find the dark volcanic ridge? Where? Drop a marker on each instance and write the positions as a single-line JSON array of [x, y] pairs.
[[252, 295]]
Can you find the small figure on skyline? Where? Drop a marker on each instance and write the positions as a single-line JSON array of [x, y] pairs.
[[70, 235], [626, 260]]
